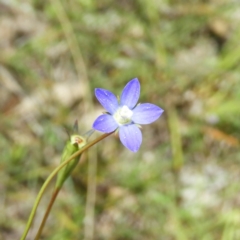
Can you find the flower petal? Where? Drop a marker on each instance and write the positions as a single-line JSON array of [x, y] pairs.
[[131, 137], [146, 113], [105, 123], [130, 93], [107, 99]]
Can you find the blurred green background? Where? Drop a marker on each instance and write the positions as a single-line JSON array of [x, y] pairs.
[[184, 182]]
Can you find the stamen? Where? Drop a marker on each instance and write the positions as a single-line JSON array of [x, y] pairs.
[[123, 115]]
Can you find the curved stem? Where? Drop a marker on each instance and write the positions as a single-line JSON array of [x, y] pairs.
[[50, 177], [54, 195]]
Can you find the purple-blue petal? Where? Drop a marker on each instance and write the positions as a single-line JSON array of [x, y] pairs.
[[130, 93], [131, 137], [105, 123], [146, 113], [107, 99]]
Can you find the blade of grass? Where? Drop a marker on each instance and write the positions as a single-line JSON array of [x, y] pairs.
[[82, 74], [176, 141]]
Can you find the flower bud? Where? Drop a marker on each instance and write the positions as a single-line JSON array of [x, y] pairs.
[[75, 143]]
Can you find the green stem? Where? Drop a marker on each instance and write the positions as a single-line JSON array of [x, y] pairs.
[[50, 177], [54, 196]]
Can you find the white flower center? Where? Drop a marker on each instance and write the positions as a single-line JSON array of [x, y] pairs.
[[123, 115]]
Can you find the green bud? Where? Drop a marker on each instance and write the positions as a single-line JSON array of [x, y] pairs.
[[75, 143]]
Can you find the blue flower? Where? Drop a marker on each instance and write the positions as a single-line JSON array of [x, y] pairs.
[[125, 115]]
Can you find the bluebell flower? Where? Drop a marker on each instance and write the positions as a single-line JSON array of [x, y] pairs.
[[125, 115]]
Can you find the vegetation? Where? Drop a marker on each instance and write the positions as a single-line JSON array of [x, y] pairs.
[[183, 183]]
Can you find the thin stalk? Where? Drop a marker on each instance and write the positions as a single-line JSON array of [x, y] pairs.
[[50, 177], [54, 196]]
